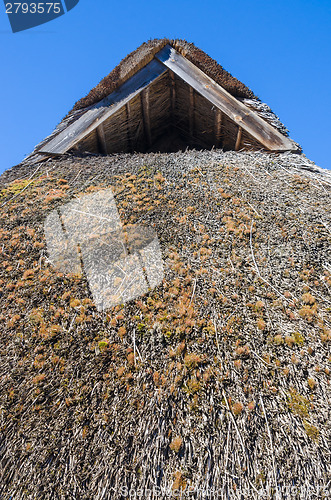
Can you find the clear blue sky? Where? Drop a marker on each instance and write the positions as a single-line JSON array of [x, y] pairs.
[[280, 49]]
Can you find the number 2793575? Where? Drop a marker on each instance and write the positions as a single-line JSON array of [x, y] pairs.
[[33, 8]]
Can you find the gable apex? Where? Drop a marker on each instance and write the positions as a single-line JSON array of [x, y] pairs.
[[165, 96]]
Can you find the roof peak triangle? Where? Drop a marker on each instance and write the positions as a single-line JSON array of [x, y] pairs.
[[166, 96]]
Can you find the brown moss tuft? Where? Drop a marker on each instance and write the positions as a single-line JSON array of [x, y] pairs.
[[192, 360], [176, 444], [307, 298], [311, 382], [261, 324], [39, 378], [237, 408], [311, 431]]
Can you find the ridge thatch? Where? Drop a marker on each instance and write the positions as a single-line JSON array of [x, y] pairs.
[[217, 381]]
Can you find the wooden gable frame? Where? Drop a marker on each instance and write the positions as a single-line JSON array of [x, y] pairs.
[[247, 121]]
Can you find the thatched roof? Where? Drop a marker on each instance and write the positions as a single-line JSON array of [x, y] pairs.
[[217, 380], [145, 53], [167, 96]]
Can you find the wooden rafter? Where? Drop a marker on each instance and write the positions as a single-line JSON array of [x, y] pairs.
[[97, 114], [247, 119], [238, 140], [172, 92], [191, 112], [218, 127], [168, 59], [101, 139], [128, 118], [146, 117]]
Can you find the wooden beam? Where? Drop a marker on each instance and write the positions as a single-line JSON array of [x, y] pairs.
[[172, 93], [128, 117], [244, 117], [238, 140], [191, 113], [102, 139], [146, 118], [97, 114], [218, 127]]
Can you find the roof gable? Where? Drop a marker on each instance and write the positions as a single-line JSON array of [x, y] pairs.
[[138, 58], [162, 101]]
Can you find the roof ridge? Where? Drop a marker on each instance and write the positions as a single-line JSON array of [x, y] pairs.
[[145, 53]]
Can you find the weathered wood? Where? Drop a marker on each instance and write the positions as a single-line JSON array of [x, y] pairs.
[[238, 140], [172, 92], [101, 111], [101, 139], [250, 121], [128, 117], [218, 127], [191, 113], [146, 118]]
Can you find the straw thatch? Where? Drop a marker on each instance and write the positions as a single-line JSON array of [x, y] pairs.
[[145, 53], [172, 127], [216, 384]]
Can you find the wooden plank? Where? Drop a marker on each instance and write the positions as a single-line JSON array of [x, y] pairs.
[[128, 116], [102, 139], [238, 140], [218, 127], [100, 112], [244, 117], [146, 118], [172, 93], [191, 113]]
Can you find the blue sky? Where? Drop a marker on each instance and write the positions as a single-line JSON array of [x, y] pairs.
[[280, 49]]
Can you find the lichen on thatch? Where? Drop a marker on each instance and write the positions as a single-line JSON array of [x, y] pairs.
[[217, 380]]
